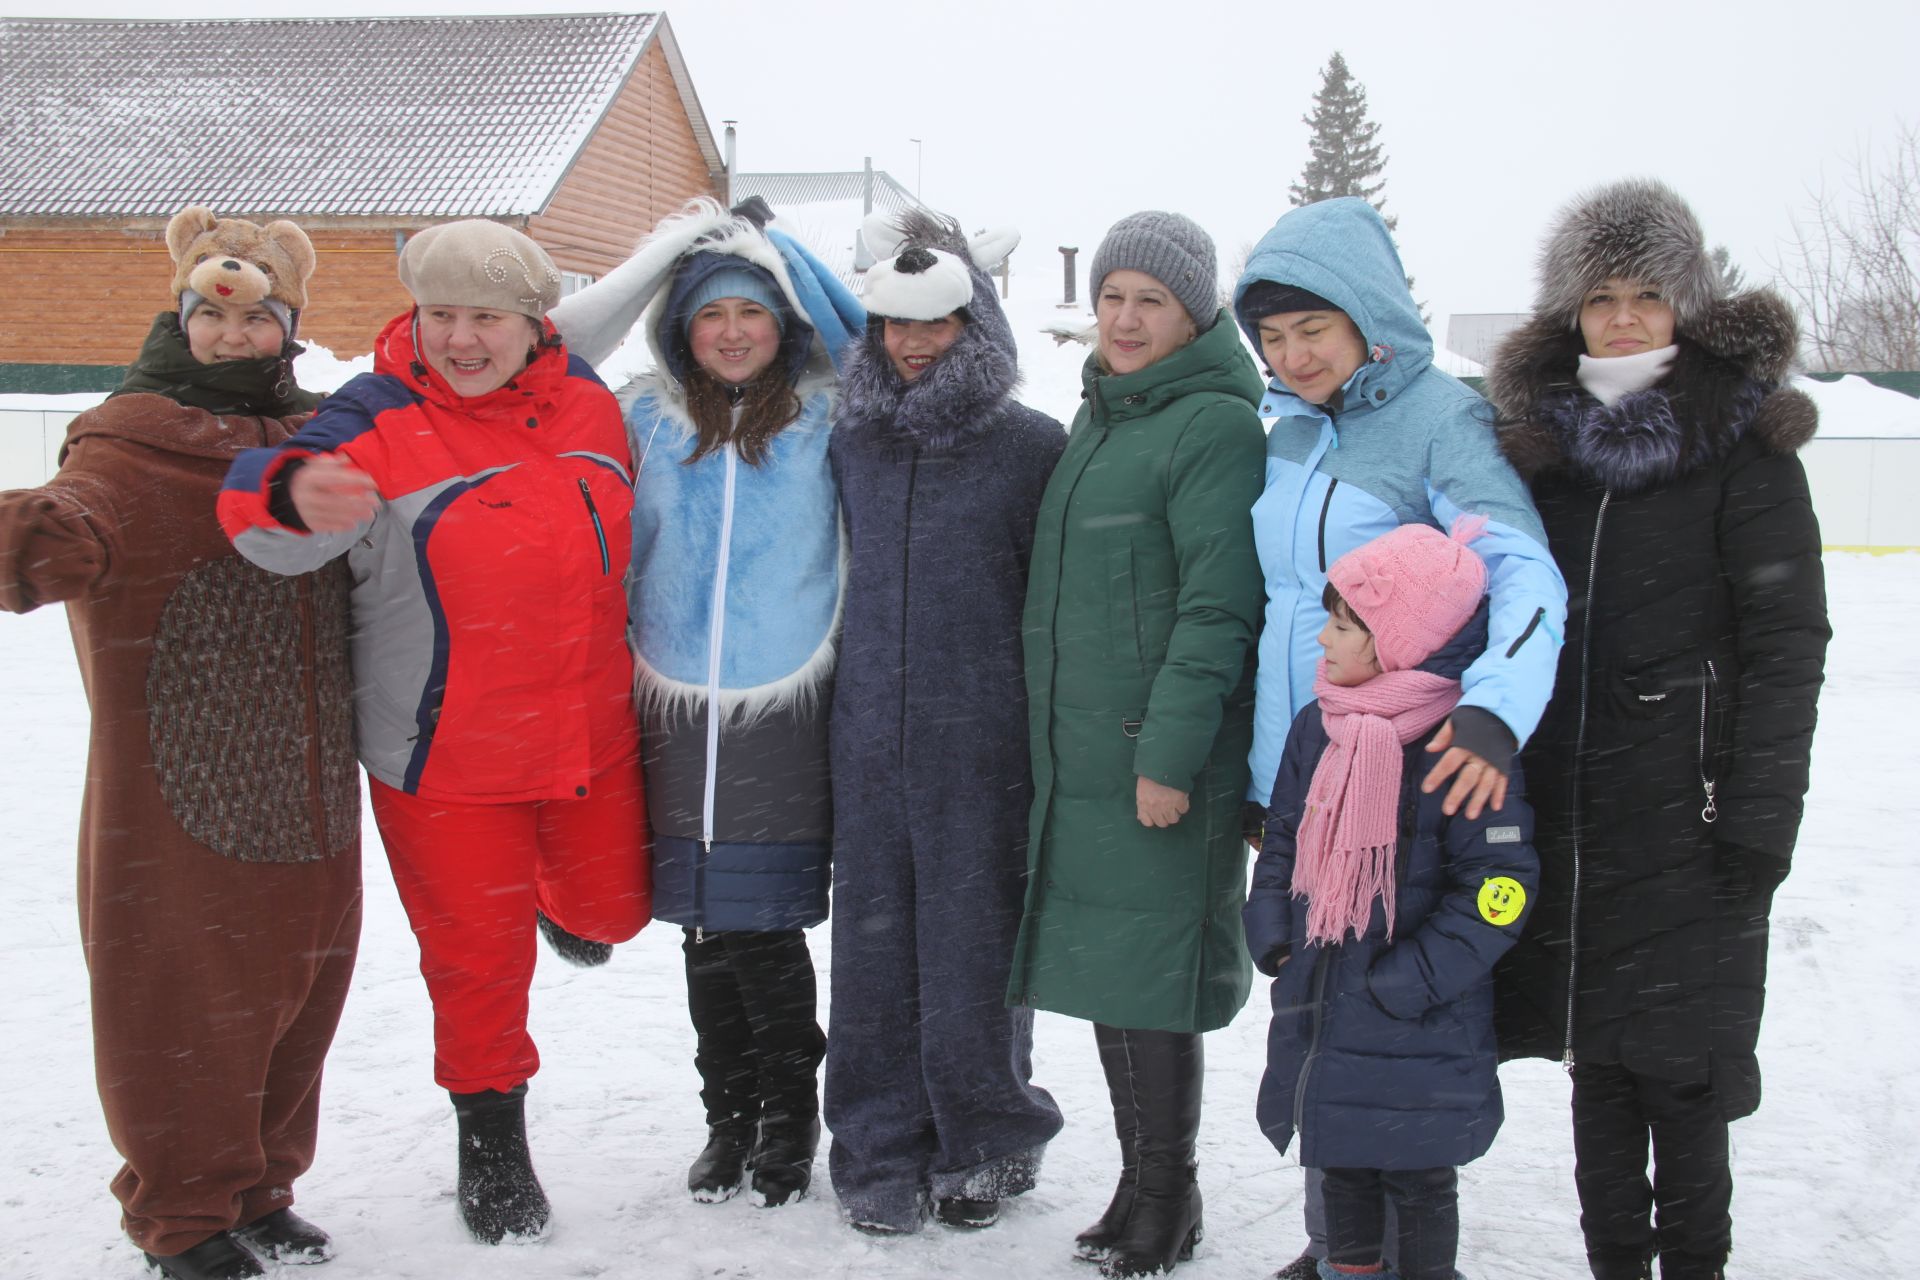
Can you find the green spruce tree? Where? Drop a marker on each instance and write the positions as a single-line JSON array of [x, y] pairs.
[[1344, 155]]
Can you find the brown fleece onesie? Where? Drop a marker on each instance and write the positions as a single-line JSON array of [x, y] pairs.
[[220, 832]]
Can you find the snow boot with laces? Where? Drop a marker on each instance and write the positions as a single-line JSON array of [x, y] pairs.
[[501, 1199]]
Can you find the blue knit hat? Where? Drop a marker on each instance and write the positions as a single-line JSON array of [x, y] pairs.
[[743, 281], [706, 276]]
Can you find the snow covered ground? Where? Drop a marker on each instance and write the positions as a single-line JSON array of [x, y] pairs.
[[1827, 1169]]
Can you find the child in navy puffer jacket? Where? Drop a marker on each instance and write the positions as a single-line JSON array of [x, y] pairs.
[[1380, 916]]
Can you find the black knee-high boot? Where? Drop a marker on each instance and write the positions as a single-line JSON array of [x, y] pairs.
[[1163, 1069], [1096, 1242], [729, 1076]]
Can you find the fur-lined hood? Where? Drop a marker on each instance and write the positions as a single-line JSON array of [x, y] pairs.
[[955, 400], [1735, 358], [597, 319]]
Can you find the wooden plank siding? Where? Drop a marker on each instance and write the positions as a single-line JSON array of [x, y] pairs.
[[109, 282], [641, 164]]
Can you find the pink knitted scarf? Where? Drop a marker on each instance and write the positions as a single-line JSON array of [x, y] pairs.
[[1344, 854]]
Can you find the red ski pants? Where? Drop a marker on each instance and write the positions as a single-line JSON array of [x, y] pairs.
[[471, 876]]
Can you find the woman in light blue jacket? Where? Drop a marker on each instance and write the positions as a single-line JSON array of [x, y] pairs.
[[1366, 435]]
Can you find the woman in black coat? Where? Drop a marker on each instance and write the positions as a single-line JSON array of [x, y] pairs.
[[1644, 406]]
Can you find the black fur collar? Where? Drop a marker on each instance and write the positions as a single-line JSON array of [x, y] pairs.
[[1723, 385]]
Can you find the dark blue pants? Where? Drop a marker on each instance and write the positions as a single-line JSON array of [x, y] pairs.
[[1426, 1205]]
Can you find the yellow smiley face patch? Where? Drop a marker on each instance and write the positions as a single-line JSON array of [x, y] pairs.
[[1502, 899]]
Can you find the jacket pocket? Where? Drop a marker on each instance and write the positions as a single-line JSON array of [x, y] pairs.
[[1124, 641], [1660, 690], [1093, 751]]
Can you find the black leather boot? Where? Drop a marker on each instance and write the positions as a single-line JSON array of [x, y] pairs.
[[782, 1159], [217, 1257], [722, 1165], [1096, 1242], [285, 1236], [1164, 1071], [500, 1197]]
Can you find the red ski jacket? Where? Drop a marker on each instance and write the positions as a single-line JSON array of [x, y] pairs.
[[489, 604]]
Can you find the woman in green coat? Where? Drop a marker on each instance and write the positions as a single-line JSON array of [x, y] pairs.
[[1142, 601]]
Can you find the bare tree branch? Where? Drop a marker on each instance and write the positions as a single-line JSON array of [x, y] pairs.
[[1853, 262]]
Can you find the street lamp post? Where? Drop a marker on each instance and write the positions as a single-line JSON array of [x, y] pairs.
[[917, 166]]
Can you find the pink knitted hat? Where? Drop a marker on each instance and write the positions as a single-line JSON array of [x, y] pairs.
[[1414, 588]]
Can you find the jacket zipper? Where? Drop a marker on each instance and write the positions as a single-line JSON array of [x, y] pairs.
[[1707, 781], [1320, 967], [1579, 754], [716, 636], [906, 577], [1325, 507], [599, 532]]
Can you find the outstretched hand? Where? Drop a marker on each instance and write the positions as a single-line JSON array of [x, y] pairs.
[[1476, 783], [1158, 805], [332, 495]]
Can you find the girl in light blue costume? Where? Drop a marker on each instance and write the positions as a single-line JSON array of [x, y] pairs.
[[1366, 435], [736, 595]]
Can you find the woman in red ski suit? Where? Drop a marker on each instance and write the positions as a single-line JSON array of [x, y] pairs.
[[479, 483]]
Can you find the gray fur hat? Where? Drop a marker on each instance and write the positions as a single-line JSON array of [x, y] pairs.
[[1637, 228], [1170, 248]]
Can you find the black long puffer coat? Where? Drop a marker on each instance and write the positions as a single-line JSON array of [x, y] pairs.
[[1668, 773]]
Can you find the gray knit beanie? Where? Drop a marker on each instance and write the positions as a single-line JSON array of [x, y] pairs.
[[1170, 248], [477, 263]]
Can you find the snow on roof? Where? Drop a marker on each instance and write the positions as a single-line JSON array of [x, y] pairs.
[[411, 117], [1854, 409]]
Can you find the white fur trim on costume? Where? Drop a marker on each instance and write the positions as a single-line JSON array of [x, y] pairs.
[[658, 696], [932, 293]]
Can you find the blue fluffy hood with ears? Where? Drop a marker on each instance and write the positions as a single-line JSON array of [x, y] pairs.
[[1341, 249]]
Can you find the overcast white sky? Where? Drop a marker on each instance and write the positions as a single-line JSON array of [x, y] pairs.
[[1061, 117]]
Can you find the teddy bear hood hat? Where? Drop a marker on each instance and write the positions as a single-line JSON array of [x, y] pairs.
[[233, 261]]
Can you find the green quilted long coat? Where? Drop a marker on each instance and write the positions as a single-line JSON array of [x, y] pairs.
[[1142, 601]]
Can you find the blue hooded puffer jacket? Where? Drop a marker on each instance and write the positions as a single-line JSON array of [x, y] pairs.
[[1400, 443], [1381, 1053]]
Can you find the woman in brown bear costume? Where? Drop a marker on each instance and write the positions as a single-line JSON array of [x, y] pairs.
[[220, 834]]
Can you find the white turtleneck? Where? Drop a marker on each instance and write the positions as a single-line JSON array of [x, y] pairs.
[[1610, 378]]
